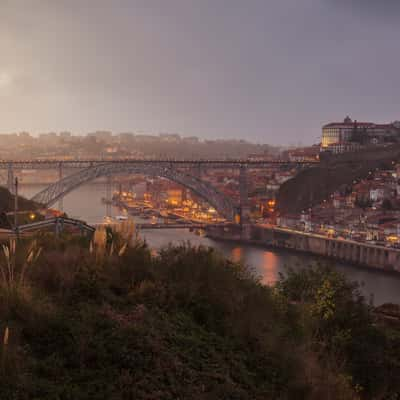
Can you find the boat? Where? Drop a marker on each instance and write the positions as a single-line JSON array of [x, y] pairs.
[[121, 217]]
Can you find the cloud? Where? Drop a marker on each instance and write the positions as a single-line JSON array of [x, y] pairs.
[[5, 79], [384, 10], [268, 70]]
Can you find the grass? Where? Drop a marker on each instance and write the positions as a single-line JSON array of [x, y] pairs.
[[13, 263], [102, 319]]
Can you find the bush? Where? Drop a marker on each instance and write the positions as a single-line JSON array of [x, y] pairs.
[[100, 323], [342, 328]]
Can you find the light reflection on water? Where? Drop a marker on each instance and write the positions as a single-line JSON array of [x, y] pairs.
[[85, 203], [237, 254], [270, 267]]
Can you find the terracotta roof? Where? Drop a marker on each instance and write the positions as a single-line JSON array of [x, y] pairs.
[[348, 124], [356, 123]]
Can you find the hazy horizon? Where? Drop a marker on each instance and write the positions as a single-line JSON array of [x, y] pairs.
[[135, 133], [264, 71]]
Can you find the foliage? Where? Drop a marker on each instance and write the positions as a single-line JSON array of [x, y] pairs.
[[95, 322], [343, 329], [13, 264], [7, 202]]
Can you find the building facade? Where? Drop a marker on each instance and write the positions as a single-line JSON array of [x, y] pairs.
[[349, 135]]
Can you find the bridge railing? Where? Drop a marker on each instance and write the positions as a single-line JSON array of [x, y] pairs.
[[56, 222], [45, 164]]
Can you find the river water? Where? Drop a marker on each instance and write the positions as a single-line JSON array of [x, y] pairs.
[[85, 203]]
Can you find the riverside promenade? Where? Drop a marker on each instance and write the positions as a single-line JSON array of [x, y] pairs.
[[358, 253]]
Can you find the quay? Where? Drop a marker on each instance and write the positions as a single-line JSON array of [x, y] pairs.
[[170, 226], [358, 253]]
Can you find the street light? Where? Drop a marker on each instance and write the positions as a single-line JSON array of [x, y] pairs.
[[16, 207]]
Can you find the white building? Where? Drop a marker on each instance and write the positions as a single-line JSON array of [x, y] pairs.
[[377, 194], [339, 137]]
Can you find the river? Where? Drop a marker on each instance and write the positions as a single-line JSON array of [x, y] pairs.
[[85, 203]]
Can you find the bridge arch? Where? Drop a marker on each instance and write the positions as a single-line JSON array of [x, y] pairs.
[[56, 191]]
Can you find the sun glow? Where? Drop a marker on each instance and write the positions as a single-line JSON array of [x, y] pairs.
[[5, 79]]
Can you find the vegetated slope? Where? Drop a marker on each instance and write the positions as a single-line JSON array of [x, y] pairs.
[[185, 324], [313, 185], [7, 205], [7, 202]]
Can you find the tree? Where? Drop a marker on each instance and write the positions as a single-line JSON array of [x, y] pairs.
[[344, 330], [387, 205]]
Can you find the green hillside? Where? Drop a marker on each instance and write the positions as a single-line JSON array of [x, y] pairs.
[[96, 322]]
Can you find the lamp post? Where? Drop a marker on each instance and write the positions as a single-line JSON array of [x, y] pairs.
[[16, 207]]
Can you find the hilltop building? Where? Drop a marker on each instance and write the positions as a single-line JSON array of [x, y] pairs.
[[349, 135]]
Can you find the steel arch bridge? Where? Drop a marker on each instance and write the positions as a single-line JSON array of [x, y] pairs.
[[56, 191]]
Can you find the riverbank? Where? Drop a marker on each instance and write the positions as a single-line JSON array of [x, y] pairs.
[[360, 254]]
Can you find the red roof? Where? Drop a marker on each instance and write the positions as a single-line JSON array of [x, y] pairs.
[[348, 124], [357, 123]]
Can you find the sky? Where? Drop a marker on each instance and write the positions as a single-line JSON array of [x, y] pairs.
[[269, 71]]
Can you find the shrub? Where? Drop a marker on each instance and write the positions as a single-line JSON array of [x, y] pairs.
[[185, 323]]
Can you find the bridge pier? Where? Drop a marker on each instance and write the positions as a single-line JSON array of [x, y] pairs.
[[60, 176], [244, 196], [10, 178], [197, 171], [108, 195]]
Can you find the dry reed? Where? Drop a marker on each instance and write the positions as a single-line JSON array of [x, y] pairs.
[[13, 271], [6, 337]]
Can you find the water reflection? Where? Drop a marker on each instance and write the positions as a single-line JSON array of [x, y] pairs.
[[85, 203], [237, 255], [270, 268]]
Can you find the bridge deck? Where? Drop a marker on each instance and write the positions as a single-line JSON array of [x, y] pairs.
[[45, 164]]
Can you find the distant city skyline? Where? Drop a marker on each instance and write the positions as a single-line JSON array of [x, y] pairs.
[[267, 71]]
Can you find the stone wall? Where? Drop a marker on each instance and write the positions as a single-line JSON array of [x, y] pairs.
[[349, 251]]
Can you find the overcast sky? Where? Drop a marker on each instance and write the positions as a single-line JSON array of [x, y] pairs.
[[269, 71]]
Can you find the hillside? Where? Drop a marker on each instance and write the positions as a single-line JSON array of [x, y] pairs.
[[7, 202], [311, 186], [109, 322], [7, 205]]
